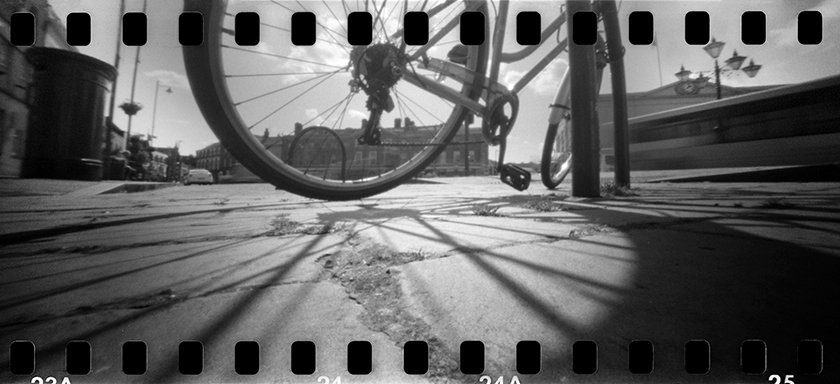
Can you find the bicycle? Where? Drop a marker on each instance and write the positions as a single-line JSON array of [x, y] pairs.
[[390, 74]]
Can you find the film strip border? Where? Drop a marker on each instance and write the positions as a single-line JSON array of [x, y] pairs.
[[360, 28], [584, 357]]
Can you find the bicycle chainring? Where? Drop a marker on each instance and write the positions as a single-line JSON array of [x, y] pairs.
[[496, 125]]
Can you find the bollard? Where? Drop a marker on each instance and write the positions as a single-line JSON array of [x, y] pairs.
[[67, 128]]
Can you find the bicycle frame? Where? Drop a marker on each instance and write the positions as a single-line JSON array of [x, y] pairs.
[[492, 88]]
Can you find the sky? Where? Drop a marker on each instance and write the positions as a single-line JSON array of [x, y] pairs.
[[179, 120]]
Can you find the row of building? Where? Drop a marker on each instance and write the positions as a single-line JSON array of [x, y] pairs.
[[318, 151]]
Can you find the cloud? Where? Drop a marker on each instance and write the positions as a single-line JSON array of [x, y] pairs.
[[787, 36], [169, 78], [545, 84], [357, 114]]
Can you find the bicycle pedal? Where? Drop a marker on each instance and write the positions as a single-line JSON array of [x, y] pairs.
[[515, 176]]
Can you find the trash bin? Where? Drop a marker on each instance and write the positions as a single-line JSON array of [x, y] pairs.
[[66, 134]]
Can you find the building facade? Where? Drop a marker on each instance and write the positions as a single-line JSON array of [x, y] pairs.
[[216, 159]]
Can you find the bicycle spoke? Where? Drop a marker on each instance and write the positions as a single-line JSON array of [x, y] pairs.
[[336, 17], [346, 9], [422, 108], [343, 112], [290, 101], [410, 109], [399, 104], [388, 17], [281, 89], [282, 57], [275, 2], [328, 29], [302, 6], [330, 108], [378, 16], [289, 31], [278, 74]]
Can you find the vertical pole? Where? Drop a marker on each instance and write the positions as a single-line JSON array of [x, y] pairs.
[[585, 151], [467, 121], [134, 83], [110, 120], [717, 78], [621, 143], [154, 112]]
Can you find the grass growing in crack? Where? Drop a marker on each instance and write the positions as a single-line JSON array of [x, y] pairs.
[[777, 203], [589, 230], [543, 205], [285, 226], [368, 273], [611, 189], [486, 210]]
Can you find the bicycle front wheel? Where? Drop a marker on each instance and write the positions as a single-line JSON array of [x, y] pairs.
[[557, 148], [263, 102]]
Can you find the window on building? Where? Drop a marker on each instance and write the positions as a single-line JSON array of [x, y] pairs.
[[456, 156], [372, 158], [472, 156]]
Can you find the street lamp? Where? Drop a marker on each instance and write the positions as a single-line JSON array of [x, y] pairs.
[[154, 109], [731, 64]]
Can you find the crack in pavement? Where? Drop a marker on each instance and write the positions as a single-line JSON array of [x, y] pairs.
[[366, 270], [161, 298], [95, 249]]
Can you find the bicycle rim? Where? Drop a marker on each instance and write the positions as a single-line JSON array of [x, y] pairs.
[[227, 101], [557, 154]]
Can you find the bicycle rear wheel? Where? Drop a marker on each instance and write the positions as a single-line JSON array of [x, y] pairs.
[[251, 97]]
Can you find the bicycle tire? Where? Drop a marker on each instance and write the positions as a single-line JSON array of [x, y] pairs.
[[554, 167], [205, 72]]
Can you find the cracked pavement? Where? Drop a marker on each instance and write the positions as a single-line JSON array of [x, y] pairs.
[[221, 264]]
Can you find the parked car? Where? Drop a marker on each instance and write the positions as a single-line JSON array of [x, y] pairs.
[[198, 176]]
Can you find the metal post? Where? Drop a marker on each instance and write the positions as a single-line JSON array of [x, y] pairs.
[[621, 144], [110, 120], [154, 112], [717, 78], [134, 83], [467, 120], [586, 165]]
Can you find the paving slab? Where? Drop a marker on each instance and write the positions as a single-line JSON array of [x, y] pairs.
[[463, 259]]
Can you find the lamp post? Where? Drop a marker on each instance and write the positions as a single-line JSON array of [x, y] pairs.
[[154, 109], [732, 64]]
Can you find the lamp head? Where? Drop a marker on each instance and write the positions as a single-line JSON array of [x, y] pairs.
[[752, 69], [683, 74], [735, 61], [714, 47]]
